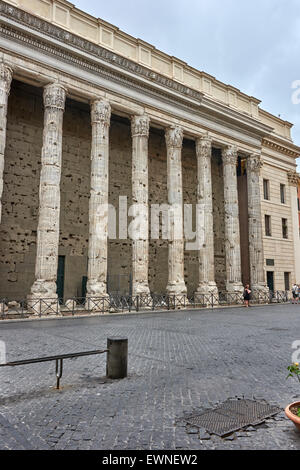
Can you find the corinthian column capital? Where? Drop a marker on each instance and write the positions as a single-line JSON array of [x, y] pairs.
[[174, 136], [203, 147], [6, 74], [293, 178], [140, 126], [55, 96], [254, 162], [229, 155], [100, 112]]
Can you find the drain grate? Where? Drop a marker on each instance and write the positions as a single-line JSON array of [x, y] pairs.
[[232, 416]]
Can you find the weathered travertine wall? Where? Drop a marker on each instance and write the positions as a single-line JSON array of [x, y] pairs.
[[218, 216], [21, 186], [20, 200], [20, 192]]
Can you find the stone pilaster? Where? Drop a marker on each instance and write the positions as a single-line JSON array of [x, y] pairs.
[[44, 285], [98, 204], [205, 232], [140, 239], [5, 82], [256, 250], [293, 180], [176, 284], [231, 215]]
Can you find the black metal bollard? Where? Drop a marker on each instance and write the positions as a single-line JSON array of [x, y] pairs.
[[117, 353]]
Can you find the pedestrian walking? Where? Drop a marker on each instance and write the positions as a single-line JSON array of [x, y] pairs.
[[247, 293], [295, 293]]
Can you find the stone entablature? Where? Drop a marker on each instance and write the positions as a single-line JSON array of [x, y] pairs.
[[160, 67]]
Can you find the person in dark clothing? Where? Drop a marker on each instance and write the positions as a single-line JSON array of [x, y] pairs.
[[247, 293]]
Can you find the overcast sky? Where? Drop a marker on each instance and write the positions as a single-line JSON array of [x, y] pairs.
[[253, 45]]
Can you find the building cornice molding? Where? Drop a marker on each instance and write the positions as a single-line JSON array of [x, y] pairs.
[[37, 34], [288, 149], [66, 37]]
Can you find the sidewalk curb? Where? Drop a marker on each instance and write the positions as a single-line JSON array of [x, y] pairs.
[[125, 314]]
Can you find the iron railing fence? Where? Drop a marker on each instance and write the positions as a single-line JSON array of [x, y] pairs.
[[127, 303]]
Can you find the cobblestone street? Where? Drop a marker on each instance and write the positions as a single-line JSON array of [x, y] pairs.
[[179, 362]]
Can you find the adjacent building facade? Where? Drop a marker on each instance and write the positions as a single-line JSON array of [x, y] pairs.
[[95, 123]]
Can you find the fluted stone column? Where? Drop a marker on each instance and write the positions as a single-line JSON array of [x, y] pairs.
[[44, 285], [231, 214], [256, 251], [98, 204], [205, 232], [176, 284], [140, 239], [5, 82]]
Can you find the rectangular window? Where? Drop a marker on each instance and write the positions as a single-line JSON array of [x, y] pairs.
[[287, 281], [284, 228], [282, 193], [270, 262], [266, 190], [270, 281], [268, 225], [298, 204]]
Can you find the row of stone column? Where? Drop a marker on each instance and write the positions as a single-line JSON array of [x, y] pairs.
[[49, 203]]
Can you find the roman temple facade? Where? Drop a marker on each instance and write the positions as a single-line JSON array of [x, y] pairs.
[[95, 124]]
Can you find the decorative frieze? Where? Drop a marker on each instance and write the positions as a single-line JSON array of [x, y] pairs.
[[111, 58]]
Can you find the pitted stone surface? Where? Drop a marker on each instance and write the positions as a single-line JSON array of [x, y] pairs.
[[179, 363]]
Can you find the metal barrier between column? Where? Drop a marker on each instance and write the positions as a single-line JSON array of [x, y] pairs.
[[127, 303]]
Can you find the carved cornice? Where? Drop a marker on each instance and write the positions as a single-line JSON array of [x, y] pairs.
[[204, 147], [293, 178], [280, 148], [54, 96], [229, 155], [100, 112], [254, 163], [6, 74], [140, 126], [174, 137], [84, 63], [86, 46]]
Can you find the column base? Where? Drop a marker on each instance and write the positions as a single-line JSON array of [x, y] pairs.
[[177, 295], [97, 298], [234, 293], [176, 288], [207, 294], [140, 289], [260, 293], [43, 299]]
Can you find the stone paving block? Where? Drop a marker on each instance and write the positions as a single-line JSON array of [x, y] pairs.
[[180, 363]]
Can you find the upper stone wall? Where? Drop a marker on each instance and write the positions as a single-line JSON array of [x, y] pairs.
[[67, 16]]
